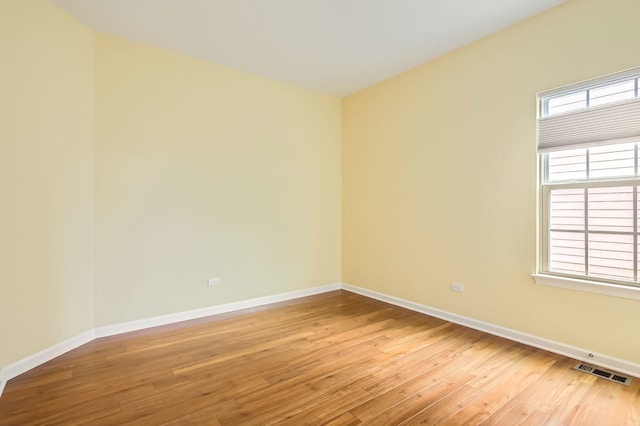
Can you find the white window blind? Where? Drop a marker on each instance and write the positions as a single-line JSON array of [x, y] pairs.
[[589, 142], [616, 123]]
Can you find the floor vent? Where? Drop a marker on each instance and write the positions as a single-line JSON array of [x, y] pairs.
[[602, 373]]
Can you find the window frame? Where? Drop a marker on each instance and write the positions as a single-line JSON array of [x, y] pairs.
[[632, 75], [543, 275], [545, 189]]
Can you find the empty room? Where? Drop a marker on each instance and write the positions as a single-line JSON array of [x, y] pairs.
[[330, 212]]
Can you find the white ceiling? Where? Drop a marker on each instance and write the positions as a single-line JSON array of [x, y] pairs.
[[334, 46]]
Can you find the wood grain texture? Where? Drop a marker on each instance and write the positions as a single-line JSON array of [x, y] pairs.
[[335, 359]]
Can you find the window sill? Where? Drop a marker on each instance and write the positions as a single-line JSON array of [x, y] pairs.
[[588, 286]]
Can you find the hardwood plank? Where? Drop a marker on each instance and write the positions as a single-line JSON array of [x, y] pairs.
[[347, 419], [332, 359], [505, 387], [421, 383], [445, 407], [409, 407], [531, 399]]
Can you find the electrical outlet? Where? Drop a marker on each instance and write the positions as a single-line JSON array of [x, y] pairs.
[[457, 287], [213, 281]]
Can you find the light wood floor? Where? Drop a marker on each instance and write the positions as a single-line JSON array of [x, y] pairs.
[[336, 359]]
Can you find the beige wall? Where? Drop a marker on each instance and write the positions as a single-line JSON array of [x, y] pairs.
[[203, 171], [439, 171], [46, 174]]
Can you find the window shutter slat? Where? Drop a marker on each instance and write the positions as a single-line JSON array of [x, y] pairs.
[[613, 123]]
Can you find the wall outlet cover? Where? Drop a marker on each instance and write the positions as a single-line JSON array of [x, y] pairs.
[[457, 287]]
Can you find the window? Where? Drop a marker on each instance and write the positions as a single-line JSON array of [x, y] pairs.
[[589, 149]]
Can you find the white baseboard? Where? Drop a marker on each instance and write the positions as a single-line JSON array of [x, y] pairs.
[[48, 354], [581, 354], [26, 364], [126, 327]]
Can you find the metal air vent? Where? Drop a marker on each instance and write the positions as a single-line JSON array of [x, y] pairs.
[[600, 372]]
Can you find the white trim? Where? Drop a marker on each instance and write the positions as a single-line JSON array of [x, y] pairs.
[[602, 360], [32, 361], [41, 357], [126, 327], [26, 364], [598, 81], [615, 290]]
